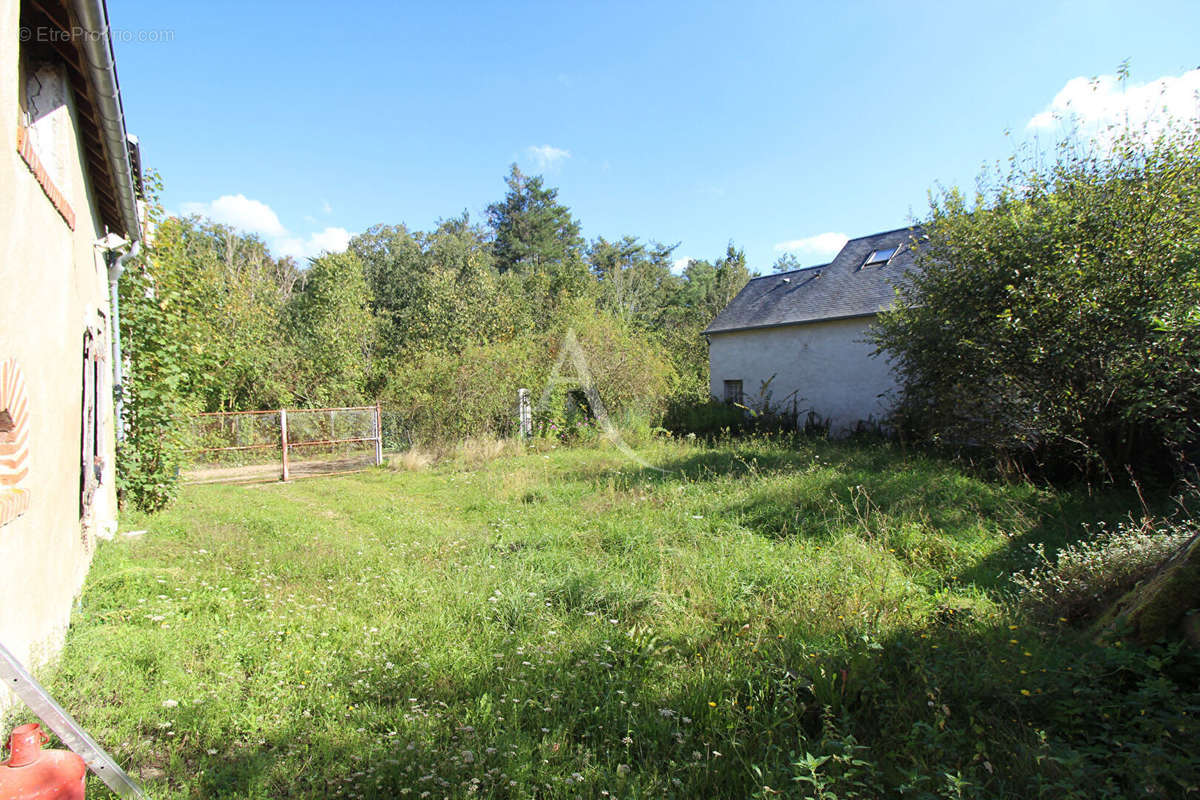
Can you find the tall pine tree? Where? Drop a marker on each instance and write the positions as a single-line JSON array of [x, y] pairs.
[[538, 239], [533, 230]]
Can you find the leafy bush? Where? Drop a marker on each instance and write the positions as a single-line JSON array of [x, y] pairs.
[[1083, 576], [628, 369], [446, 396], [1144, 699], [155, 328], [449, 396], [712, 417], [701, 417], [1054, 318], [566, 417]]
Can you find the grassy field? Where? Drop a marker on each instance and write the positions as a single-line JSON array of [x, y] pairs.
[[760, 619]]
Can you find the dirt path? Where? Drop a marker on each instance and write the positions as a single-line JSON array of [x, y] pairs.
[[264, 473]]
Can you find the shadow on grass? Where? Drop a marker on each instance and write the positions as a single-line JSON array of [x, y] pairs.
[[879, 491], [703, 464], [991, 711], [1063, 520]]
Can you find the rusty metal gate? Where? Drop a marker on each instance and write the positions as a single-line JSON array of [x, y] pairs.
[[283, 444]]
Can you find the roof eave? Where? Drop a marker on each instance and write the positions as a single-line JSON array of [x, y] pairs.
[[715, 332], [95, 45]]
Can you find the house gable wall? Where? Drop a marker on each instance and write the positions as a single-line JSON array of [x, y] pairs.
[[53, 287], [826, 367]]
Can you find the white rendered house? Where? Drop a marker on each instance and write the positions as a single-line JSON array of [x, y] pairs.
[[796, 341]]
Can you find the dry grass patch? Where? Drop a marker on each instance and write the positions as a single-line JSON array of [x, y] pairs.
[[471, 453], [414, 459], [475, 452]]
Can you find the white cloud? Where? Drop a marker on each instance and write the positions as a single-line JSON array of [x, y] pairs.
[[330, 240], [680, 264], [1100, 102], [253, 216], [328, 209], [823, 245], [547, 157], [289, 246], [241, 212]]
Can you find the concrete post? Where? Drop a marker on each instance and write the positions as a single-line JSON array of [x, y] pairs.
[[524, 413], [378, 435]]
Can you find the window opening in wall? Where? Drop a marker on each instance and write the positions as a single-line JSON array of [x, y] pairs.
[[733, 392]]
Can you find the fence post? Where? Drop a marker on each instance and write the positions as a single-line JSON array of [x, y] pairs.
[[378, 435], [524, 413], [283, 440]]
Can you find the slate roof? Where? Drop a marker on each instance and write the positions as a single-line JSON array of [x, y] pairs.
[[840, 289]]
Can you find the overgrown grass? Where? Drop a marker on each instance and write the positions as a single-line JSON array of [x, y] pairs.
[[760, 619]]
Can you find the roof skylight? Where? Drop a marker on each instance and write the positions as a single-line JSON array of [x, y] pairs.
[[880, 256]]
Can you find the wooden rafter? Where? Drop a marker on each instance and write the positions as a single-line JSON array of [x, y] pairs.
[[55, 15]]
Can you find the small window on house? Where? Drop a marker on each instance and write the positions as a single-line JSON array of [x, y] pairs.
[[880, 257], [733, 392]]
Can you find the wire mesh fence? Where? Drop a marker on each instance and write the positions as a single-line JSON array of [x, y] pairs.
[[282, 444]]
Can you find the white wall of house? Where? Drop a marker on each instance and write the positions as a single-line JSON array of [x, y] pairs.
[[823, 366]]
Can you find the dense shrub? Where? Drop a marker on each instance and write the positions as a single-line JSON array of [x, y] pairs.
[[156, 334], [1054, 318], [630, 373], [711, 417], [449, 396], [702, 417]]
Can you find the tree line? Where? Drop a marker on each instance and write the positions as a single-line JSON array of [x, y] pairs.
[[441, 326], [1052, 324]]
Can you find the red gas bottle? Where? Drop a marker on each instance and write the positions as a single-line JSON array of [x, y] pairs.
[[32, 773]]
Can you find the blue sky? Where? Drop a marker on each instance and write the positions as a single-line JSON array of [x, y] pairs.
[[774, 125]]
